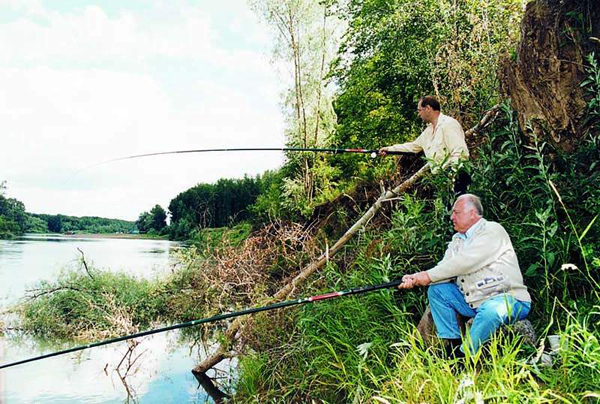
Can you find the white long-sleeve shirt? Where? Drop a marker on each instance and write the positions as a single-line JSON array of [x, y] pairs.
[[444, 144]]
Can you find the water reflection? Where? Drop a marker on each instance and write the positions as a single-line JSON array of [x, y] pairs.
[[147, 370], [154, 369], [210, 388]]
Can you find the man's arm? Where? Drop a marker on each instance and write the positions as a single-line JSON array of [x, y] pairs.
[[409, 147], [415, 146]]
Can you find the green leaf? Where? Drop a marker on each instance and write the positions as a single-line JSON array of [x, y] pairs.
[[589, 226], [532, 270]]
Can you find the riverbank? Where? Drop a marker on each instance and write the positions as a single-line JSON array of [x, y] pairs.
[[111, 236]]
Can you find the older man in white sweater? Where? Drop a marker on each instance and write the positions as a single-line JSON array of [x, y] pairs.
[[479, 277]]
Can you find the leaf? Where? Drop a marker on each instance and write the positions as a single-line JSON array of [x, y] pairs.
[[589, 226], [553, 229], [551, 257], [532, 270]]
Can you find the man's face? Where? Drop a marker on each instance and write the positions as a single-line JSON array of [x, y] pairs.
[[463, 216], [425, 112]]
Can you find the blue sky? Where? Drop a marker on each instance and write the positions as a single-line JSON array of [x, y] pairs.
[[87, 81]]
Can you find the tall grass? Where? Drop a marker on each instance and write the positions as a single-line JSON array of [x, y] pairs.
[[366, 349]]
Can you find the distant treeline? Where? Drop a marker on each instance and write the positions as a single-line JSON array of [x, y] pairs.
[[225, 203], [86, 224], [14, 221]]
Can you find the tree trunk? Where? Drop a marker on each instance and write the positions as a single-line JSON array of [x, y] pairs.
[[544, 80]]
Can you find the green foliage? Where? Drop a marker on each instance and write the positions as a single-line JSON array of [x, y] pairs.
[[36, 224], [395, 51], [578, 369], [211, 239], [306, 36], [95, 304], [327, 357], [268, 202], [547, 201], [84, 306], [215, 205], [152, 222], [592, 88], [39, 223], [13, 218], [8, 228]]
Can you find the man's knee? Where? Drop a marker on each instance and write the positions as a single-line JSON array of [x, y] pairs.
[[495, 311], [438, 290]]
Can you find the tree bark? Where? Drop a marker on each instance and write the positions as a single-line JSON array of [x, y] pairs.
[[544, 80]]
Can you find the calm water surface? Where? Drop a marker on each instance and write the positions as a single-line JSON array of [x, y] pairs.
[[161, 372]]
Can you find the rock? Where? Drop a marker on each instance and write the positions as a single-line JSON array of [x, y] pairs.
[[523, 328]]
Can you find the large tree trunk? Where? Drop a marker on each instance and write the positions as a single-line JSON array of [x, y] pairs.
[[544, 81]]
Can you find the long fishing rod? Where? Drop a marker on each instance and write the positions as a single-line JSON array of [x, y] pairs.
[[287, 303], [373, 153]]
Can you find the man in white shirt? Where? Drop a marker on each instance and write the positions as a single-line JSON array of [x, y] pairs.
[[442, 141], [478, 277]]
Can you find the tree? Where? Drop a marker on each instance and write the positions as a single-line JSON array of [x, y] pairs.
[[12, 214], [155, 220], [396, 51], [143, 222], [55, 224], [306, 36], [158, 218], [551, 79]]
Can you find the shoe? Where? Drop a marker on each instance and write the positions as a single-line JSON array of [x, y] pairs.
[[452, 347]]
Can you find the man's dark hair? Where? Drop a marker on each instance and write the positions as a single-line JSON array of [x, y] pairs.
[[431, 101]]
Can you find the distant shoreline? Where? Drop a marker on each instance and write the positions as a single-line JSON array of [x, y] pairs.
[[104, 235]]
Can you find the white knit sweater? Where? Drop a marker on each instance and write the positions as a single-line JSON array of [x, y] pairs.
[[486, 267]]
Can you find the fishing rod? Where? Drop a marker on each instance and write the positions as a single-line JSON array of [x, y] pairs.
[[287, 303], [373, 153]]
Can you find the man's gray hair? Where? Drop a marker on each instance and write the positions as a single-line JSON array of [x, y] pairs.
[[473, 202]]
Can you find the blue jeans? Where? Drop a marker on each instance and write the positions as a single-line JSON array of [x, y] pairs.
[[446, 300]]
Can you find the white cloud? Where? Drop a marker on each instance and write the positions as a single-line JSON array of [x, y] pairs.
[[88, 85]]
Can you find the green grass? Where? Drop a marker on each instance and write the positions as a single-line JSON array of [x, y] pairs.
[[366, 350]]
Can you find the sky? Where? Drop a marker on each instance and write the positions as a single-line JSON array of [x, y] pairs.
[[83, 82]]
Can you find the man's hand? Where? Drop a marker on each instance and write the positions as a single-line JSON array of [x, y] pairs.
[[418, 279], [382, 151]]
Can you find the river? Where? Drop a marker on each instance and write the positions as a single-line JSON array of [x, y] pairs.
[[161, 374]]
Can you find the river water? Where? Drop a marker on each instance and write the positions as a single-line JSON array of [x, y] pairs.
[[161, 366]]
